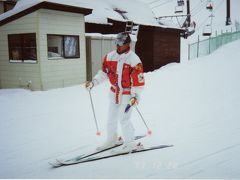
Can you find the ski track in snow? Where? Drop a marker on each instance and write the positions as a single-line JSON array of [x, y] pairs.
[[192, 105]]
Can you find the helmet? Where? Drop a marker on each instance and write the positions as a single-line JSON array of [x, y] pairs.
[[122, 38]]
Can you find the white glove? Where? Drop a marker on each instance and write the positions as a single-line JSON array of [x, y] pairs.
[[89, 85]]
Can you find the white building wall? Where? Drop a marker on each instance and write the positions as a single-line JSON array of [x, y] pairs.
[[13, 75], [61, 72]]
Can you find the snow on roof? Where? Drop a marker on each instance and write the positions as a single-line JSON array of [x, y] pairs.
[[108, 36], [17, 10], [23, 5], [123, 10]]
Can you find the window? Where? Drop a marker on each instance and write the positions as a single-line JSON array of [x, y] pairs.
[[22, 48], [63, 46]]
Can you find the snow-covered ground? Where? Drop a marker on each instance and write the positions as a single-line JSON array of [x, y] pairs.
[[193, 105]]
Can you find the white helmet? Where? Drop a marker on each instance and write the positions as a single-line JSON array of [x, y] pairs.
[[122, 38]]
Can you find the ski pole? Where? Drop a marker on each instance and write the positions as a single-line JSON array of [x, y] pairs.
[[149, 131], [94, 114]]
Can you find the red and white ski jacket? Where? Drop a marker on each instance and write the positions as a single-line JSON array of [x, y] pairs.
[[125, 73]]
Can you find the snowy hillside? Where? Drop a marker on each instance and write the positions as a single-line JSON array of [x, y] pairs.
[[193, 105], [200, 15]]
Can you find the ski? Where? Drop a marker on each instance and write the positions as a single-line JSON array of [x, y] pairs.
[[90, 159], [59, 163]]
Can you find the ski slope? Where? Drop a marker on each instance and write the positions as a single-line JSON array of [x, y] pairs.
[[193, 105]]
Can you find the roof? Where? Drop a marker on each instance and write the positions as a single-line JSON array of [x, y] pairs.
[[21, 10], [132, 10], [102, 10]]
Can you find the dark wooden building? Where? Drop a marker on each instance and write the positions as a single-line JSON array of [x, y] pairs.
[[156, 45], [7, 5]]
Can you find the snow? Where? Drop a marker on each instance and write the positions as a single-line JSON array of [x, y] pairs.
[[99, 35], [102, 9], [193, 105], [199, 14], [16, 10], [108, 36]]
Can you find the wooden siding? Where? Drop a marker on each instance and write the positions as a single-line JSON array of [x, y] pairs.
[[144, 47], [14, 75], [8, 5], [97, 28], [1, 7], [61, 72], [166, 47], [157, 47], [106, 29]]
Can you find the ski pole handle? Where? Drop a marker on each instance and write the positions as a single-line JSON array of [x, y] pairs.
[[132, 102], [127, 108]]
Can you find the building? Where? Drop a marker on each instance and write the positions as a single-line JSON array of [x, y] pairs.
[[6, 5], [55, 51], [42, 46], [156, 45]]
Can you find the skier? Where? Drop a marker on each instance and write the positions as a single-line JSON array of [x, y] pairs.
[[124, 70]]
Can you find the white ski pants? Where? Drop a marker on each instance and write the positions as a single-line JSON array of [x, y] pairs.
[[117, 114]]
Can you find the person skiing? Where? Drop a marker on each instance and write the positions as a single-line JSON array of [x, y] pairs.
[[124, 69]]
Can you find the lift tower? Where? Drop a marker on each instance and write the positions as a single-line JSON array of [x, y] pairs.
[[228, 18]]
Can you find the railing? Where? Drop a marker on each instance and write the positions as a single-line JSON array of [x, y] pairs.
[[205, 47]]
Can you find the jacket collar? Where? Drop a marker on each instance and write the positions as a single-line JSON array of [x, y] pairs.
[[124, 52]]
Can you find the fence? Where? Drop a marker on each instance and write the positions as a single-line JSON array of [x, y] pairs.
[[205, 47]]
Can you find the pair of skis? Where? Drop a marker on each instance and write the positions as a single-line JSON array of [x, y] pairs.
[[90, 157]]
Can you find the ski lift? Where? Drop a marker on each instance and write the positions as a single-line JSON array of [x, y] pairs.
[[207, 30], [180, 2], [193, 24], [179, 7], [209, 5], [189, 30]]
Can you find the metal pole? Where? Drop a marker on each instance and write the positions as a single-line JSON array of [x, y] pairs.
[[189, 51], [188, 12], [198, 47], [209, 44], [228, 18], [94, 114], [149, 131]]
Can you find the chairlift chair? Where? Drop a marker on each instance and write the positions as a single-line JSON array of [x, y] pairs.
[[207, 31], [129, 26], [209, 5], [180, 2], [179, 9]]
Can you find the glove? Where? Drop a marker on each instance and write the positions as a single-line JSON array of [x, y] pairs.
[[132, 102], [89, 85]]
